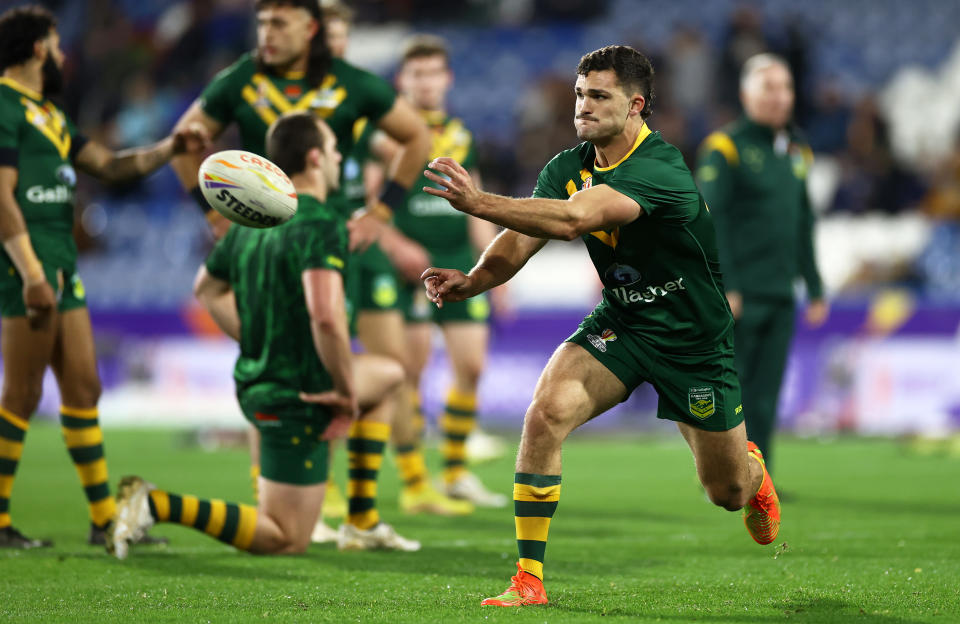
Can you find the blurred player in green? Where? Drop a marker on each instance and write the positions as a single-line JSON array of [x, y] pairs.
[[292, 69], [375, 293], [270, 289], [42, 301], [753, 175], [451, 239], [663, 318]]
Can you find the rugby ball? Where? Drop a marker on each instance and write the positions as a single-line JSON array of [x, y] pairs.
[[247, 189]]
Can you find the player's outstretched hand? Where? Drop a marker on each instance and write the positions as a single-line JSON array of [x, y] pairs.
[[456, 185], [191, 139], [446, 285], [39, 300], [345, 411]]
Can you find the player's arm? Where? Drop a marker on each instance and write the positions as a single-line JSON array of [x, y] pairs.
[[130, 164], [501, 260], [218, 298], [38, 295], [717, 163], [817, 308], [327, 308], [186, 165], [597, 208]]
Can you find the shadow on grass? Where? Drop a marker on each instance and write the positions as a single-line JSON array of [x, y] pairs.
[[802, 611]]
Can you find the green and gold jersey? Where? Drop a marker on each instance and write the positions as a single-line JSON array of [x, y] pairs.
[[431, 220], [40, 142], [660, 273], [352, 184], [243, 94], [264, 267]]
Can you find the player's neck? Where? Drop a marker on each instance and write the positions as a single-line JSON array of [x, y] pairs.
[[614, 149], [29, 75], [310, 183], [295, 68], [433, 116]]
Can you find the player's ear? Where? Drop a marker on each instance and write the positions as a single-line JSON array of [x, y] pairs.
[[41, 49], [315, 157]]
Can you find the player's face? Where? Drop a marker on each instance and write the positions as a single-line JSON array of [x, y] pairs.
[[768, 96], [602, 107], [283, 34], [425, 81], [331, 157], [338, 33]]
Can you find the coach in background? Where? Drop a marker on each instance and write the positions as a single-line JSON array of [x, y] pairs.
[[753, 176]]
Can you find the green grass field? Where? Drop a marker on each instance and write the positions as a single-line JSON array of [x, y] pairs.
[[870, 534]]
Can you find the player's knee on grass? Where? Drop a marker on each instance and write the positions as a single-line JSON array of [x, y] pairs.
[[551, 416], [377, 377]]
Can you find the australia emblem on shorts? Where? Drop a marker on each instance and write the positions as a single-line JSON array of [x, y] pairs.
[[600, 342], [701, 402]]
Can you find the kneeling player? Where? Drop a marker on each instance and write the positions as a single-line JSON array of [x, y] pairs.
[[270, 289]]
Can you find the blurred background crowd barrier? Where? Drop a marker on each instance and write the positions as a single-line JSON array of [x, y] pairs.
[[878, 95]]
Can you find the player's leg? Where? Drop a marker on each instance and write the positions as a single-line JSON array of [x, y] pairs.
[[573, 388], [466, 344], [766, 331], [74, 363], [379, 381], [294, 466], [26, 354], [408, 436]]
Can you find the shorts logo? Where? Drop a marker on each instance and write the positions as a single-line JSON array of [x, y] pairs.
[[701, 402], [600, 342]]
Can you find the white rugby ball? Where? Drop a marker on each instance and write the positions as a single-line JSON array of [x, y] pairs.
[[247, 189]]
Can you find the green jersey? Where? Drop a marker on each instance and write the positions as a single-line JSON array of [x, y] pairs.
[[253, 99], [264, 267], [431, 220], [660, 273], [352, 184], [755, 183], [40, 142]]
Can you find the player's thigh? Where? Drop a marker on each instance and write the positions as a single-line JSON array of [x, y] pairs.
[[26, 354], [74, 360], [382, 333], [573, 388], [467, 348], [419, 346], [375, 377], [721, 456], [294, 508]]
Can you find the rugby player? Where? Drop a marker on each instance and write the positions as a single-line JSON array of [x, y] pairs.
[[452, 239], [663, 318], [269, 289], [42, 301]]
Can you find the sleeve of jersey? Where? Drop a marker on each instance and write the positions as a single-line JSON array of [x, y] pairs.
[[714, 175], [218, 99], [9, 139], [218, 262], [77, 140], [807, 260], [658, 187], [379, 96], [320, 245], [550, 183]]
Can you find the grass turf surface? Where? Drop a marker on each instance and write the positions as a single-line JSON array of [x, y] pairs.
[[870, 534]]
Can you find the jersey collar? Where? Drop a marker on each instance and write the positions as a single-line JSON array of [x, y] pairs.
[[433, 117], [644, 133], [16, 86]]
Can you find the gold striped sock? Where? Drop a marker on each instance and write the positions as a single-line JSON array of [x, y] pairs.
[[458, 421], [365, 447], [419, 422], [84, 439], [13, 430], [535, 499], [230, 523], [413, 468], [255, 480]]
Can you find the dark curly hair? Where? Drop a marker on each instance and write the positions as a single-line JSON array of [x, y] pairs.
[[634, 71], [20, 28], [318, 63]]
